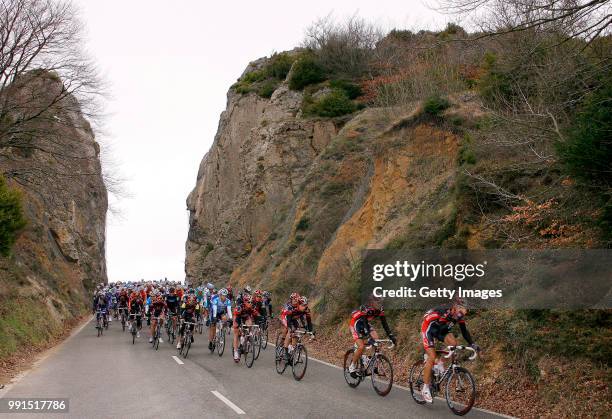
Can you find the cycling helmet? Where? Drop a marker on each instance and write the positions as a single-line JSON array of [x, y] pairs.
[[303, 300], [294, 296], [248, 289], [370, 311], [210, 286], [266, 294], [191, 291], [223, 292], [257, 293]]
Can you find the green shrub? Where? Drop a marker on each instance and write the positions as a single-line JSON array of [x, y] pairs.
[[352, 90], [11, 217], [331, 105], [279, 65], [303, 224], [435, 105], [306, 71], [267, 88], [254, 76], [587, 151]]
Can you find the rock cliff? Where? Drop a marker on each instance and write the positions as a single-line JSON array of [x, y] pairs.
[[60, 255]]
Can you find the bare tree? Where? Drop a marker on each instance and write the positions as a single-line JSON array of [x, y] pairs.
[[343, 48], [584, 19], [49, 93]]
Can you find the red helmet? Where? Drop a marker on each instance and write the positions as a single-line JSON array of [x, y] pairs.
[[294, 296], [257, 293]]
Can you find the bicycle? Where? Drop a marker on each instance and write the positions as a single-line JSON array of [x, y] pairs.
[[247, 344], [187, 337], [157, 334], [298, 356], [133, 326], [99, 324], [122, 311], [377, 366], [458, 380], [201, 324], [171, 327], [220, 333], [264, 332]]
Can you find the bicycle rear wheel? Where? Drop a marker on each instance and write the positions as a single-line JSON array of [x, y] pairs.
[[350, 380], [415, 381], [264, 341], [257, 344], [382, 375], [460, 391], [299, 362], [221, 341], [187, 347], [279, 355], [249, 352], [133, 335]]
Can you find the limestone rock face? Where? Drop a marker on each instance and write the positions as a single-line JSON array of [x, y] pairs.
[[60, 256], [260, 157]]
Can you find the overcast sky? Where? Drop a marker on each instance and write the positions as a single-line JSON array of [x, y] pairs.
[[168, 65]]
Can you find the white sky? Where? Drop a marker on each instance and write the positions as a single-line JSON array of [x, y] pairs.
[[169, 66]]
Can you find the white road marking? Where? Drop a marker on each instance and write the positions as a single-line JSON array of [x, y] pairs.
[[177, 359], [228, 402]]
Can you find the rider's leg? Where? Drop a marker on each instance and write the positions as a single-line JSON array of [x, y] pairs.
[[212, 329], [358, 351]]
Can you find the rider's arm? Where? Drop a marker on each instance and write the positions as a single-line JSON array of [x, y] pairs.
[[465, 332], [385, 326]]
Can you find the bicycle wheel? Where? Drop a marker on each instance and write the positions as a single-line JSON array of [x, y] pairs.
[[249, 352], [187, 346], [279, 355], [257, 344], [460, 391], [382, 375], [415, 381], [264, 340], [300, 362], [122, 324], [220, 341], [99, 330], [133, 335], [200, 327], [350, 380]]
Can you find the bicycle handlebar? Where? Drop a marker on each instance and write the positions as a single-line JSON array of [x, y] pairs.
[[453, 349]]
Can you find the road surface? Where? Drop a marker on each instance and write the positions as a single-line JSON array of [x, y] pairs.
[[109, 377]]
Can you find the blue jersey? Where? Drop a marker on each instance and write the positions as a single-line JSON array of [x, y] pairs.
[[220, 307]]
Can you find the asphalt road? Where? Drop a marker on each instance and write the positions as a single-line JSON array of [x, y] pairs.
[[109, 377]]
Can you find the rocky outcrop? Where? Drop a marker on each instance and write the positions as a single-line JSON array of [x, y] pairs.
[[260, 158], [285, 202], [60, 255]]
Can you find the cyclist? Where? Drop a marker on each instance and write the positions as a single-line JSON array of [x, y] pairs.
[[172, 303], [295, 313], [247, 291], [189, 310], [220, 310], [122, 301], [101, 306], [436, 326], [136, 308], [157, 309], [245, 313], [267, 303], [363, 332]]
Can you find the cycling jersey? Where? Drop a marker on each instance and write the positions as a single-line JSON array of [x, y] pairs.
[[157, 307], [220, 308], [360, 322], [189, 308], [292, 316], [173, 303], [437, 323]]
